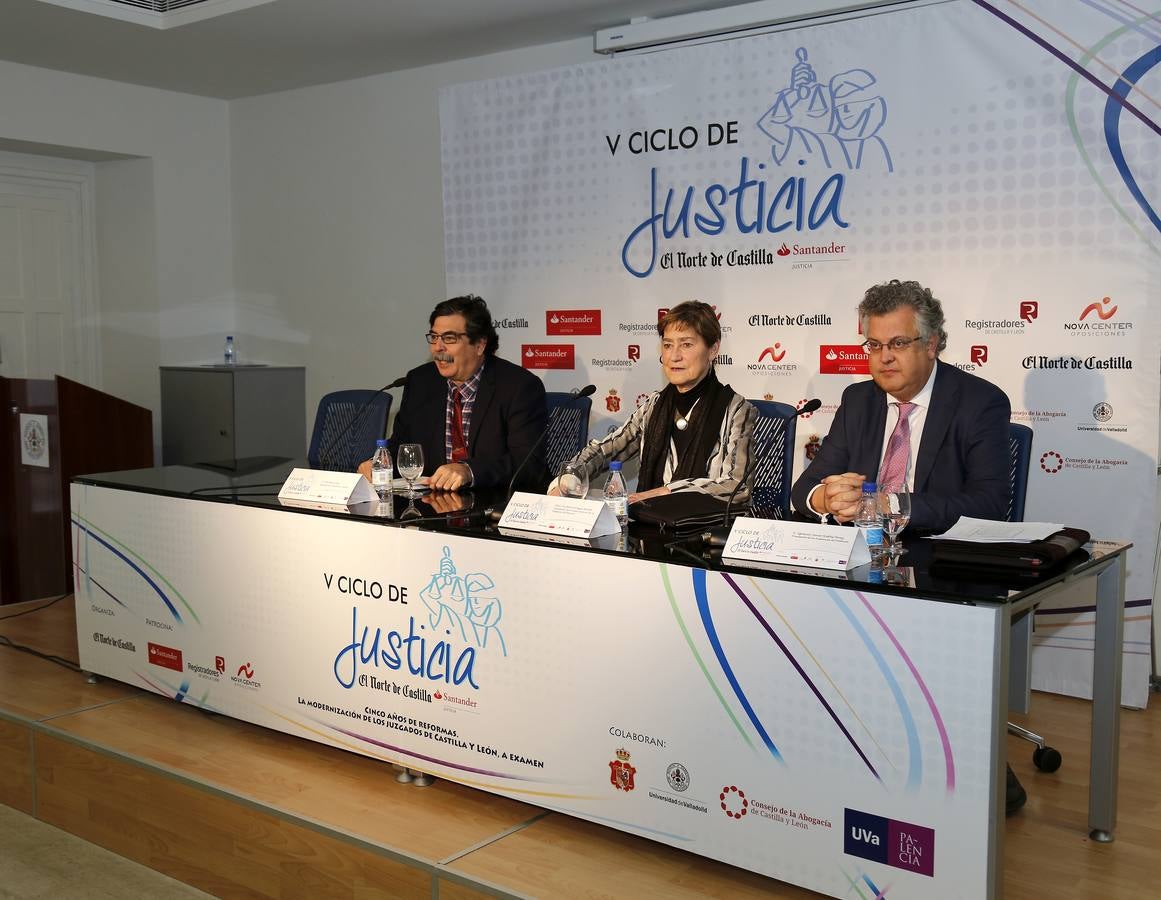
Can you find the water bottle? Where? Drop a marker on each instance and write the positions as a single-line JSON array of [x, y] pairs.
[[381, 469], [869, 519], [616, 497], [229, 351]]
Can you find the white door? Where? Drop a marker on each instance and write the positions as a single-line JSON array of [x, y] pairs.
[[43, 327]]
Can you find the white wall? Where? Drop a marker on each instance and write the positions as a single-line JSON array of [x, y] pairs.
[[165, 254], [338, 218]]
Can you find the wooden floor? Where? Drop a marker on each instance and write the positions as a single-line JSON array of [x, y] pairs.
[[236, 810]]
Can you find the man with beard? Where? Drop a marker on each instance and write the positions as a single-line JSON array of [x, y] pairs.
[[476, 415]]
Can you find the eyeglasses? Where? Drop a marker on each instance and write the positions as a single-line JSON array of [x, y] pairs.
[[449, 338], [897, 345]]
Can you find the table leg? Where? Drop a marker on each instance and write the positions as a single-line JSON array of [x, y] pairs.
[[1106, 700], [999, 751], [1020, 663]]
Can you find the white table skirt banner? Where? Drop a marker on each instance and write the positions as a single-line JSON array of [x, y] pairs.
[[824, 736]]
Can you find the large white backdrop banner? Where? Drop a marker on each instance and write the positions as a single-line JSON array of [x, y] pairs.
[[998, 160]]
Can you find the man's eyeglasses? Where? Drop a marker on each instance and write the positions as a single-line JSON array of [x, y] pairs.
[[897, 345], [448, 337]]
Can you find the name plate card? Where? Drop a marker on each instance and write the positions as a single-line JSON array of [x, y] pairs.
[[329, 488], [796, 544], [559, 515]]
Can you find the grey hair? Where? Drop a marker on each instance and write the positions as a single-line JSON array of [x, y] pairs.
[[887, 297]]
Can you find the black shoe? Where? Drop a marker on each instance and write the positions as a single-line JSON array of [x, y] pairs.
[[1016, 795]]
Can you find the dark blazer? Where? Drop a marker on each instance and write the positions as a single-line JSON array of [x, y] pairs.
[[508, 418], [962, 466]]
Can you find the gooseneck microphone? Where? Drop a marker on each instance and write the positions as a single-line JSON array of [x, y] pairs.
[[716, 537], [356, 419], [587, 391]]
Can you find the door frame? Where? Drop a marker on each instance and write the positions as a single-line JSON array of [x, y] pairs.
[[73, 180]]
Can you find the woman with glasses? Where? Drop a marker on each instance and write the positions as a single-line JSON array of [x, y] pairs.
[[695, 434], [475, 416]]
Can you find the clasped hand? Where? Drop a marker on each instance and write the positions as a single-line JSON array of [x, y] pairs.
[[839, 496]]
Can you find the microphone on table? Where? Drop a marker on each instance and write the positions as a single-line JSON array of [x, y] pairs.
[[716, 537], [357, 419], [587, 391]]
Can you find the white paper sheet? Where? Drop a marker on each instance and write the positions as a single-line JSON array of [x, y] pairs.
[[989, 531]]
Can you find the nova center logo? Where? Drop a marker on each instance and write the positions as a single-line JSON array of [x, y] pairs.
[[1099, 319], [772, 361]]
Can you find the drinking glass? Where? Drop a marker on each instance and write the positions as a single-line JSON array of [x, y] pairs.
[[895, 502], [573, 481], [409, 462]]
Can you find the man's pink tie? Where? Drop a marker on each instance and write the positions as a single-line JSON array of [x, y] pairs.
[[894, 469]]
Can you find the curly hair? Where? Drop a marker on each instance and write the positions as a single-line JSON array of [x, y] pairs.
[[887, 297], [477, 319]]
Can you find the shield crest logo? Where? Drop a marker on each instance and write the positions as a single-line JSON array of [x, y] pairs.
[[621, 773]]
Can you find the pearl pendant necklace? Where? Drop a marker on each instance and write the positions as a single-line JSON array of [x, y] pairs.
[[682, 422]]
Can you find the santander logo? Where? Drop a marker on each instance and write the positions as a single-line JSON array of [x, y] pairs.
[[783, 250], [548, 356], [843, 359], [572, 321]]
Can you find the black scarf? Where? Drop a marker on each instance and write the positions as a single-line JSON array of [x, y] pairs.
[[713, 399]]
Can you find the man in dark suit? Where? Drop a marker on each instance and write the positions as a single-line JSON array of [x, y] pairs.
[[942, 431], [949, 429], [476, 415]]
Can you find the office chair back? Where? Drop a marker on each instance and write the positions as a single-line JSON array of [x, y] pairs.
[[772, 446], [568, 428], [1019, 459], [346, 427]]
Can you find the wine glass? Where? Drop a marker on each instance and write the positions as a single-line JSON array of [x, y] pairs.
[[409, 462], [573, 481], [895, 502]]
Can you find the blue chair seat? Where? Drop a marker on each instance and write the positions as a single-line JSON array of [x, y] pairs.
[[346, 427], [568, 428], [772, 445], [1019, 458]]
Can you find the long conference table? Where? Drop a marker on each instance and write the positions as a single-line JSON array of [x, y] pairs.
[[834, 730]]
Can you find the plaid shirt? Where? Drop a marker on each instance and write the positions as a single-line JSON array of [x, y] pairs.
[[468, 391]]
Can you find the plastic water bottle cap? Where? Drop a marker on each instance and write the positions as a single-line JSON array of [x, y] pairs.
[[869, 487], [615, 466], [381, 442]]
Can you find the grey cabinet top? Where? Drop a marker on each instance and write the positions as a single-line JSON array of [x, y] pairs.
[[240, 367]]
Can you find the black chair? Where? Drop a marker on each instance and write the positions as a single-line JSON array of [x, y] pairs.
[[346, 427], [568, 428], [772, 445], [1045, 758]]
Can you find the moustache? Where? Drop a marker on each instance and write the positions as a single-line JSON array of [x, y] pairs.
[[443, 356]]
